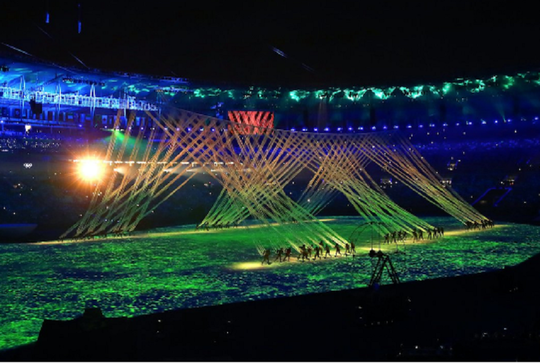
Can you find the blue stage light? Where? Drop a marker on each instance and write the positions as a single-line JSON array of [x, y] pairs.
[[326, 129]]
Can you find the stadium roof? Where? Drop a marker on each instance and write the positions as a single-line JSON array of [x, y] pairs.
[[34, 74], [293, 44]]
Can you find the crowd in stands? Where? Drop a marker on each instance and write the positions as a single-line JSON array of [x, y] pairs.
[[48, 143], [485, 146]]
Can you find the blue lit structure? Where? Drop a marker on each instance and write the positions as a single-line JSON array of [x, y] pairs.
[[44, 94]]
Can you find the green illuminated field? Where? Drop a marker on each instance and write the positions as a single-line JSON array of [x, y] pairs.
[[175, 268]]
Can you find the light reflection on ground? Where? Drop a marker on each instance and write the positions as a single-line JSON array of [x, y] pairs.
[[173, 268]]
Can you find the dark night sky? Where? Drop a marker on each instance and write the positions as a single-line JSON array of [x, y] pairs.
[[346, 43]]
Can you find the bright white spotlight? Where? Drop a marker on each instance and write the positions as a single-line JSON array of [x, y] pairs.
[[90, 170]]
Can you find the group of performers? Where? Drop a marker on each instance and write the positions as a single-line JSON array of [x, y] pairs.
[[322, 251], [417, 234], [206, 226], [482, 224], [120, 234], [308, 252]]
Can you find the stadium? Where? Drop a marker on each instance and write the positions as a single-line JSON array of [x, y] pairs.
[[147, 217]]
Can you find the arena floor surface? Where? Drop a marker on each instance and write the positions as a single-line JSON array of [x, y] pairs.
[[171, 268]]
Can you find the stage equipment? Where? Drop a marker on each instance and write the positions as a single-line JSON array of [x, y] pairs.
[[253, 164]]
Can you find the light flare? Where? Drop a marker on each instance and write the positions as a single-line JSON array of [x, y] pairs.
[[90, 169]]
